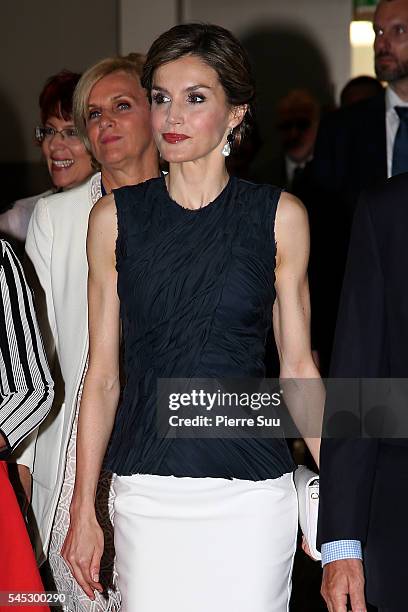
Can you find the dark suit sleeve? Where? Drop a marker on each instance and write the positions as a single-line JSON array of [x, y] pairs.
[[348, 465]]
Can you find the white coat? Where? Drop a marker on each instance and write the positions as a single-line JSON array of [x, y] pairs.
[[56, 248]]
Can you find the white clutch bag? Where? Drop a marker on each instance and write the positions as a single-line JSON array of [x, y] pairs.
[[307, 487]]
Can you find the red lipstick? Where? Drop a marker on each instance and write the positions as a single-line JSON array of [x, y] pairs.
[[174, 138], [109, 138]]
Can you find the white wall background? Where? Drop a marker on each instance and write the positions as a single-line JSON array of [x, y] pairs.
[[141, 21]]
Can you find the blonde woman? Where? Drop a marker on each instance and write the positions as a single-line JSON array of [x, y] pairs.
[[112, 115]]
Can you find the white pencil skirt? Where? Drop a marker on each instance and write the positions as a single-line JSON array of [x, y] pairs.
[[204, 544]]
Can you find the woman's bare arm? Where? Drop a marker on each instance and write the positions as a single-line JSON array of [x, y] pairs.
[[304, 394], [83, 546]]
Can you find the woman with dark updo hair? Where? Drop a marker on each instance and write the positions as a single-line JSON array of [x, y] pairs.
[[197, 266]]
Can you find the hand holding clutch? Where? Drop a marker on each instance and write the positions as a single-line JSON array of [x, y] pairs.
[[307, 487]]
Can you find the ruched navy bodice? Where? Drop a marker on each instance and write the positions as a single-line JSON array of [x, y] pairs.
[[196, 291]]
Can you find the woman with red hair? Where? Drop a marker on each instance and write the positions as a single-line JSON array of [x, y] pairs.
[[68, 162]]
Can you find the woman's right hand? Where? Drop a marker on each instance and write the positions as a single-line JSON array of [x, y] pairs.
[[306, 549], [83, 549]]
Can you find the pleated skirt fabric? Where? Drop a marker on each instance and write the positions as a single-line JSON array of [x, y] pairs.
[[204, 544]]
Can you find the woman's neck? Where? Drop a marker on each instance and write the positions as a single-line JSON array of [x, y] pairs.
[[193, 185], [131, 173]]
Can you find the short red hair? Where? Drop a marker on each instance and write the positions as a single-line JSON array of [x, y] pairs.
[[56, 97]]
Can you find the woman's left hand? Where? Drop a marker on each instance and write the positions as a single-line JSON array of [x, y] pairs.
[[82, 551]]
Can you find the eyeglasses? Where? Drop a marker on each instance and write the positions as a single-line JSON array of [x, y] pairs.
[[70, 134]]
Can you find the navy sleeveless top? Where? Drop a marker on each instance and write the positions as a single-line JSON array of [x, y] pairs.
[[196, 291]]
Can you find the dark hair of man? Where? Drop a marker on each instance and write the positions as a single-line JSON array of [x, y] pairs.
[[368, 82], [216, 47], [57, 94]]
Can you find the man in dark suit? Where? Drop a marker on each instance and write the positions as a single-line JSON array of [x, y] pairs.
[[298, 115], [364, 482], [356, 147]]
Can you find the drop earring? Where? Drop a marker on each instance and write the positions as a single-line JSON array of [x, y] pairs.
[[226, 150]]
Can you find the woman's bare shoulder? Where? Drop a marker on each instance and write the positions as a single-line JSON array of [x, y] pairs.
[[291, 212], [103, 212], [291, 230], [102, 232]]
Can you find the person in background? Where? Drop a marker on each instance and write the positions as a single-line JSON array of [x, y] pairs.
[[360, 88], [191, 264], [298, 120], [356, 147], [25, 400], [364, 481], [67, 159], [111, 113]]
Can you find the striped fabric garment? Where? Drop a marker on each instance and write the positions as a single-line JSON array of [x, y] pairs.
[[26, 386]]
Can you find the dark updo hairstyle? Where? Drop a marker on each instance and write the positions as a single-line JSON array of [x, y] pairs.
[[218, 48], [57, 95]]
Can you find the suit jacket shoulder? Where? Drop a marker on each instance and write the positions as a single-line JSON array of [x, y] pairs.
[[350, 151], [387, 206], [391, 196], [350, 116]]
